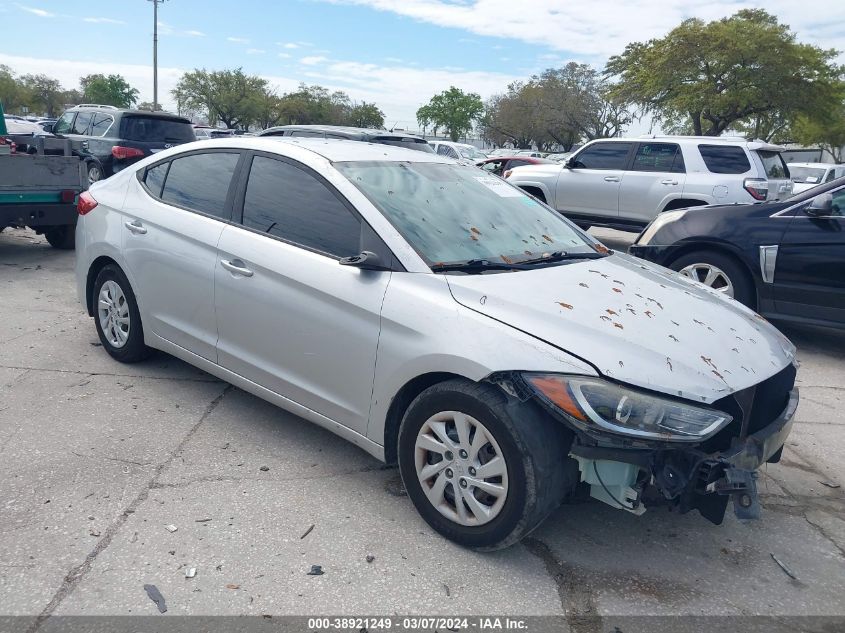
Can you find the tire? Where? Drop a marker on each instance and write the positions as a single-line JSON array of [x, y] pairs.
[[532, 446], [94, 172], [734, 273], [63, 237], [127, 345]]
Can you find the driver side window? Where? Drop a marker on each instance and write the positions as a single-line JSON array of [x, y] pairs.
[[64, 123]]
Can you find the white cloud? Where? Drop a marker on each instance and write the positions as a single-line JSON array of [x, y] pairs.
[[288, 45], [255, 51], [195, 33], [103, 21], [313, 60], [601, 29], [238, 40], [284, 55], [41, 13]]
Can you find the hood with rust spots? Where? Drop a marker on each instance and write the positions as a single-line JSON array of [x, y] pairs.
[[636, 322]]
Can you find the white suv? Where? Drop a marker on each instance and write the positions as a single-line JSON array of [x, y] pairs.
[[625, 183]]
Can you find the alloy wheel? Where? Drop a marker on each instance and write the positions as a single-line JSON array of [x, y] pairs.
[[461, 468], [113, 312], [710, 276]]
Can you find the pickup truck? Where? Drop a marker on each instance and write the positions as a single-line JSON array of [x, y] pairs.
[[39, 186]]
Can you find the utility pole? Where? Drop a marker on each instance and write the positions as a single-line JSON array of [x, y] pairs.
[[155, 53]]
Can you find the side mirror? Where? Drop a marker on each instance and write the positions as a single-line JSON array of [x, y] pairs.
[[821, 205], [48, 127], [367, 260]]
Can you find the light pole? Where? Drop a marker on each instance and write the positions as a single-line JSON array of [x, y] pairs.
[[155, 52]]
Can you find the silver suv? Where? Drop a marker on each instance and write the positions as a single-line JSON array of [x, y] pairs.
[[625, 183]]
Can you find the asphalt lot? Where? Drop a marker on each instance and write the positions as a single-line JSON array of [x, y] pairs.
[[97, 458]]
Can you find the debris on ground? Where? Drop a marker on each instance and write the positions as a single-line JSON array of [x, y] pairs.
[[446, 587], [202, 520], [829, 484], [171, 528], [190, 572], [370, 558], [233, 586], [94, 532], [316, 570], [264, 468], [155, 596], [307, 532], [783, 566]]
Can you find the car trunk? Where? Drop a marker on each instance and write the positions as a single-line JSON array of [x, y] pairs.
[[153, 133], [777, 173]]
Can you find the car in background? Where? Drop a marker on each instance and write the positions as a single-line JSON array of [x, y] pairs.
[[500, 165], [206, 132], [366, 135], [111, 139], [396, 298], [461, 152], [785, 259], [807, 175], [560, 158], [624, 183]]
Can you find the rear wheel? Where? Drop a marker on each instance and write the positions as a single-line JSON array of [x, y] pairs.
[[116, 316], [95, 172], [63, 237], [482, 470], [719, 272]]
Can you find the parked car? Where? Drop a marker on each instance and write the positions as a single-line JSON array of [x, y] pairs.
[[807, 175], [501, 165], [205, 132], [436, 315], [785, 259], [110, 139], [624, 183], [461, 152], [560, 158], [365, 135]]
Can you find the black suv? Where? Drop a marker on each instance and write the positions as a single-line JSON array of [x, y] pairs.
[[411, 141], [109, 139]]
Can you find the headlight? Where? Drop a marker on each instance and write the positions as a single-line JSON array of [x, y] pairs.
[[658, 223], [595, 404]]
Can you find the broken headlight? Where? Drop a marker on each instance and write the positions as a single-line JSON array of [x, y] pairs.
[[594, 405]]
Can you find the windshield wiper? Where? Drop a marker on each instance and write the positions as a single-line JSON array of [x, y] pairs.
[[476, 266], [559, 256]]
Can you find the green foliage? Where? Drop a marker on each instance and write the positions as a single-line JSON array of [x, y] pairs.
[[708, 77], [108, 90], [453, 110], [825, 129]]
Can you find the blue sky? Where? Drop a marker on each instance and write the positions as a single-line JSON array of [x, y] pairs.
[[394, 52]]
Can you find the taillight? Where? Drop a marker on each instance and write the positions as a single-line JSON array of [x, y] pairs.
[[122, 153], [757, 187], [86, 203], [68, 196]]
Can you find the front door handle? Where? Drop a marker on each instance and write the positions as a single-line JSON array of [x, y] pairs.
[[237, 267], [612, 178], [136, 227], [668, 182]]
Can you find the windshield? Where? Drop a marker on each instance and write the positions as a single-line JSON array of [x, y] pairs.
[[451, 213], [809, 175], [156, 130], [471, 153], [411, 143]]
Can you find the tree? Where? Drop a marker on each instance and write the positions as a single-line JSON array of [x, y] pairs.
[[10, 90], [707, 77], [108, 90], [453, 110], [147, 106], [827, 130], [43, 94], [366, 115], [230, 96]]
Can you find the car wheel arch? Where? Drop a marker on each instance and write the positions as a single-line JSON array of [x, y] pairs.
[[722, 249], [400, 403], [93, 270], [535, 191], [683, 203]]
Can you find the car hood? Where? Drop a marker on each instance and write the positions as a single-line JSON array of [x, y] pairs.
[[635, 322]]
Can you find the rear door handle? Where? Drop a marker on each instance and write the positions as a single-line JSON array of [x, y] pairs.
[[136, 227], [612, 178], [668, 182], [237, 267]]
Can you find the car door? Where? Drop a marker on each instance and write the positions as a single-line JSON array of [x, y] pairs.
[[809, 279], [290, 317], [590, 183], [173, 221], [656, 176]]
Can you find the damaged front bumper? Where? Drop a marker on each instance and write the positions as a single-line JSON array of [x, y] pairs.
[[684, 477]]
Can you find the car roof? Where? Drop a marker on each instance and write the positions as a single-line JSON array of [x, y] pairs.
[[127, 111], [339, 129], [333, 150], [707, 140], [819, 165]]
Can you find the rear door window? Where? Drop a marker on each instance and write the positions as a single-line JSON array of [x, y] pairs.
[[200, 182], [83, 120], [665, 157], [724, 159], [291, 203], [773, 164], [149, 129], [101, 124], [154, 178], [603, 156]]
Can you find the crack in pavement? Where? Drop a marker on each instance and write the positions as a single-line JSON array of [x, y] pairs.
[[278, 480], [576, 595], [76, 574], [78, 372]]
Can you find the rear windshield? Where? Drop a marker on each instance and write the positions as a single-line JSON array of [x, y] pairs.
[[773, 164], [156, 129], [411, 143], [808, 175], [724, 159]]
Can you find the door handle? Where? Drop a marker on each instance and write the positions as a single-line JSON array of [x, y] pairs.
[[668, 182], [135, 227], [237, 267], [612, 178]]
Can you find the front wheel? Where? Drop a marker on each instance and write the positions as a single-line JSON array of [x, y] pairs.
[[116, 316], [719, 272], [482, 469]]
